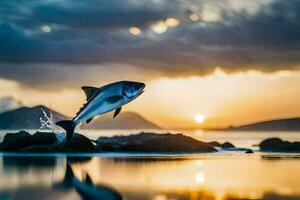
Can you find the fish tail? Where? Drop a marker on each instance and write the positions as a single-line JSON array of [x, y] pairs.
[[69, 126], [69, 175]]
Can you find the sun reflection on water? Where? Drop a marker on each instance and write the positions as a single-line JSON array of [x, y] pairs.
[[163, 178], [200, 177]]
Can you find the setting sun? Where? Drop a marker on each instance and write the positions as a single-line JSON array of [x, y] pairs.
[[199, 118]]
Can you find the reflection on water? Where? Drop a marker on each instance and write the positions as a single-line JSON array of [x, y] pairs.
[[258, 176]]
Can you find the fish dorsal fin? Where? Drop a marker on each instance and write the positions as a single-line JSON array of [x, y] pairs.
[[89, 120], [88, 179], [118, 110], [89, 91]]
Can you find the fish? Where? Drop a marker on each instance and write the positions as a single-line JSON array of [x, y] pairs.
[[102, 100], [88, 190]]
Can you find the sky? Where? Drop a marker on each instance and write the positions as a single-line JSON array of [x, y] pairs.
[[233, 61]]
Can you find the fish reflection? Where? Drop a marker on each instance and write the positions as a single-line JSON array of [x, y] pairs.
[[66, 183], [87, 189]]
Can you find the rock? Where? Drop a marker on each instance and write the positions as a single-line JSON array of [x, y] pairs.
[[79, 143], [39, 149], [150, 142], [43, 138], [271, 143], [249, 151], [144, 142], [16, 141], [215, 144], [44, 142], [278, 145], [289, 147], [227, 145], [22, 140]]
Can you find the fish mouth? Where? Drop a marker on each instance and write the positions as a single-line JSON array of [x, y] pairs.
[[142, 91]]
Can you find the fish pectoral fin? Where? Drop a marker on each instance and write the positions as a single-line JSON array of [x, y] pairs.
[[114, 99], [89, 120], [88, 179], [89, 91], [117, 111]]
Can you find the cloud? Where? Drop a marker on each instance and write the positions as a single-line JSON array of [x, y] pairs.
[[91, 37], [9, 103]]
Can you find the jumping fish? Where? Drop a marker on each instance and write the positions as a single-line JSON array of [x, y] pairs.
[[103, 100]]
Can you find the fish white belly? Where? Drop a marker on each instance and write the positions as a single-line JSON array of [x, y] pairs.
[[93, 110], [107, 107]]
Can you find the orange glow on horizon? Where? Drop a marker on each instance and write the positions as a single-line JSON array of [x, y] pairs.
[[222, 99]]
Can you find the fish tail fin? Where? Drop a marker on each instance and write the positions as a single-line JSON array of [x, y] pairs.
[[69, 173], [69, 126]]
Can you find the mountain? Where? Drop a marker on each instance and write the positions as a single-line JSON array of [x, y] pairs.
[[29, 118], [125, 120], [290, 124], [26, 117], [9, 103]]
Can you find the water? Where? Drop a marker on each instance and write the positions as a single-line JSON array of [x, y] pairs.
[[208, 176]]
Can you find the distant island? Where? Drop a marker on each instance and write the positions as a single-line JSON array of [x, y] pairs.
[[289, 124], [29, 118], [26, 117]]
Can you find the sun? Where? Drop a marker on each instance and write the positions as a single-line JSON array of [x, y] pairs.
[[199, 118]]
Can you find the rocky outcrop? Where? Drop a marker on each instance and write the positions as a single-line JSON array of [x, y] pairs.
[[150, 142], [44, 142], [143, 142], [249, 151], [226, 145], [22, 139], [278, 145]]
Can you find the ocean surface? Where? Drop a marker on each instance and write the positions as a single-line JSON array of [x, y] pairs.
[[226, 175]]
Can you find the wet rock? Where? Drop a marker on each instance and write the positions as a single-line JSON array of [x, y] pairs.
[[22, 139], [249, 151], [271, 143], [79, 143], [145, 142], [150, 142], [278, 145], [44, 138], [15, 141], [215, 144], [39, 149], [227, 145], [290, 147], [44, 142]]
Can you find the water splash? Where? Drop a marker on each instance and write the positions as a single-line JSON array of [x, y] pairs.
[[49, 123]]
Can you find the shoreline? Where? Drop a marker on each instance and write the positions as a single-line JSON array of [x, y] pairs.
[[143, 144]]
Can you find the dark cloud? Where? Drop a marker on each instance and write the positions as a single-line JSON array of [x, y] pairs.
[[91, 36]]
